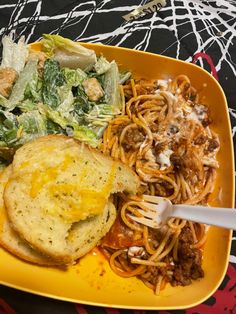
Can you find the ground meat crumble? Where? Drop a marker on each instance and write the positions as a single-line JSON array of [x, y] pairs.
[[188, 267]]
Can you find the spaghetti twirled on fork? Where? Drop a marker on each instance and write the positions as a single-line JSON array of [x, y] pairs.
[[163, 133]]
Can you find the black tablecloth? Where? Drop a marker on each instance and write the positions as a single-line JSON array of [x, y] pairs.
[[197, 30]]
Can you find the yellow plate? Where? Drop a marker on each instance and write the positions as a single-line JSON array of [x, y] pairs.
[[91, 281]]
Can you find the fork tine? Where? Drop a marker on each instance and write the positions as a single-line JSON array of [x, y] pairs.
[[145, 221], [151, 207], [149, 213], [153, 199]]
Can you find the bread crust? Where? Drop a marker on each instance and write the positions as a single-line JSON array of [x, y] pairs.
[[10, 239]]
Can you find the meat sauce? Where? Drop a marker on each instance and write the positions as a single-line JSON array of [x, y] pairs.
[[120, 236], [181, 272]]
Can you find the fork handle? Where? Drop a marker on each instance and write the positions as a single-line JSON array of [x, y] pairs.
[[216, 216]]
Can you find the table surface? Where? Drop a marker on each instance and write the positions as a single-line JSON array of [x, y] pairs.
[[203, 31]]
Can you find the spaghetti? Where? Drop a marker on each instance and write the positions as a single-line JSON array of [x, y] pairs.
[[163, 133]]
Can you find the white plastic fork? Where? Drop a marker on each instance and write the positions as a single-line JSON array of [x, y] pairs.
[[160, 209]]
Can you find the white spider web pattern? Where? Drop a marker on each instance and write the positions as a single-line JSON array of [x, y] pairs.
[[210, 23]]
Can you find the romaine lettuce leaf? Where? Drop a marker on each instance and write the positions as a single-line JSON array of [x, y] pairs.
[[14, 55], [100, 113], [33, 123], [102, 65], [82, 103], [3, 101], [27, 105], [8, 129], [112, 88], [79, 132], [99, 117], [54, 128], [52, 79], [26, 76], [68, 53], [124, 76], [74, 77], [17, 130], [53, 115], [33, 89], [67, 100], [86, 135]]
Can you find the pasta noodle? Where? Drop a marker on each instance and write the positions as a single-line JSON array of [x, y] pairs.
[[163, 133]]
